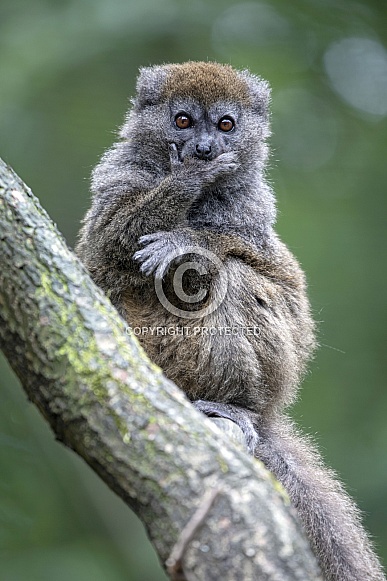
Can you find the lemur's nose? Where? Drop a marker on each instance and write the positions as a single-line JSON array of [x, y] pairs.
[[203, 150]]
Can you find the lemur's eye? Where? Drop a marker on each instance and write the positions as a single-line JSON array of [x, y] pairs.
[[183, 121], [226, 124]]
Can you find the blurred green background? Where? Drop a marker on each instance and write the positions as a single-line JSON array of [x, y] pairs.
[[67, 68]]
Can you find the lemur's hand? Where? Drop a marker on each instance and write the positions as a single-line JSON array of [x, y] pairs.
[[194, 173], [160, 250]]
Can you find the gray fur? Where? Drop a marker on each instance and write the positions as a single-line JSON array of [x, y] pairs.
[[149, 86], [156, 197]]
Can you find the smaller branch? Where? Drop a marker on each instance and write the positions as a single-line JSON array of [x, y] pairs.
[[174, 563]]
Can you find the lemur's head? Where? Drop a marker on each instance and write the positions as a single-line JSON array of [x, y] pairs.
[[203, 107]]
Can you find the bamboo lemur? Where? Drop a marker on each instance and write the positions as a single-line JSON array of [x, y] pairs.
[[185, 188]]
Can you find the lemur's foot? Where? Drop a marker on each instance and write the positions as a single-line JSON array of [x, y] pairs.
[[238, 415]]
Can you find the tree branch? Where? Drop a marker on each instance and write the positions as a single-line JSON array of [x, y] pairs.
[[214, 512]]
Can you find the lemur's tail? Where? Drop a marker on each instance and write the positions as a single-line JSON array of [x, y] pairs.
[[331, 519]]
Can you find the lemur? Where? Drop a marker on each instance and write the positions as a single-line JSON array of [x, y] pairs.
[[180, 235]]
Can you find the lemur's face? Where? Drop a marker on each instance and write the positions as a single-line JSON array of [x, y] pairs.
[[205, 109], [203, 132]]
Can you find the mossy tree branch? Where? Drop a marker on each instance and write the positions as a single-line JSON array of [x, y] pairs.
[[202, 499]]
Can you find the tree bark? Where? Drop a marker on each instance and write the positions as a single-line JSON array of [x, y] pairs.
[[211, 511]]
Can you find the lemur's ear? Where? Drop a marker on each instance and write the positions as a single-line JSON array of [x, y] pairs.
[[149, 86], [259, 92]]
